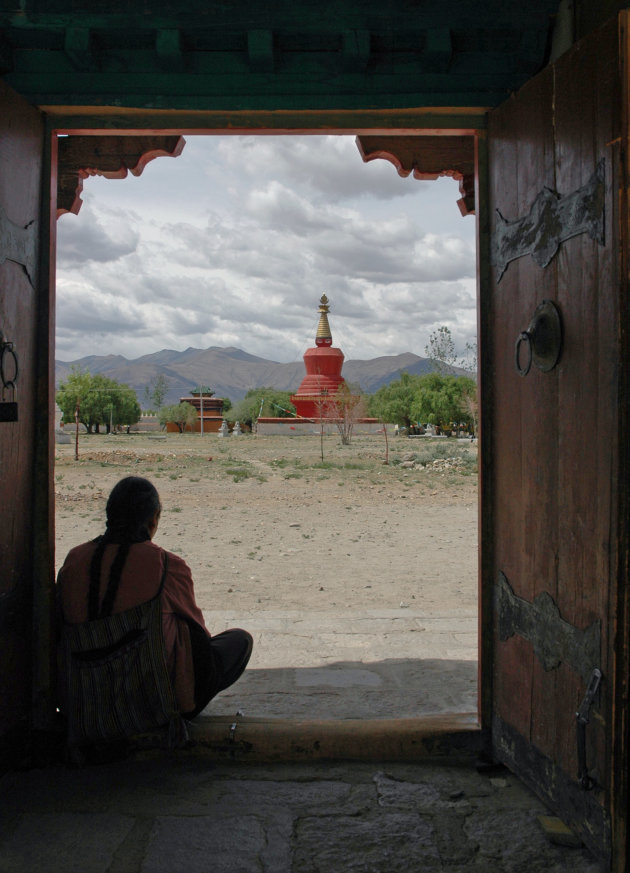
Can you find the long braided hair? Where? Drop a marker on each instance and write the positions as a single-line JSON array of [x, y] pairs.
[[132, 505]]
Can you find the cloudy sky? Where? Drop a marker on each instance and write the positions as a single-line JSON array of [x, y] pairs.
[[233, 243]]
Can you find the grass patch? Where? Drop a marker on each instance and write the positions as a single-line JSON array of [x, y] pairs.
[[238, 474], [279, 462]]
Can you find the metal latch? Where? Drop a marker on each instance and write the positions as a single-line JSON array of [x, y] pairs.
[[582, 719], [8, 377], [233, 726]]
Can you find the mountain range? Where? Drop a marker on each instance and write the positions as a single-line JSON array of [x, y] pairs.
[[231, 372]]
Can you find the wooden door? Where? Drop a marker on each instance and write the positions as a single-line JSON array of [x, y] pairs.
[[556, 490], [24, 319]]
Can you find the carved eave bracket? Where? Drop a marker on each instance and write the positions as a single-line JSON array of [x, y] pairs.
[[428, 158], [109, 156]]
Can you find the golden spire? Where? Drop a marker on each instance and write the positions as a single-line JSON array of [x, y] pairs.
[[323, 328]]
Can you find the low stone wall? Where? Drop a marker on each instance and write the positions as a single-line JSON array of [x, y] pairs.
[[211, 424], [299, 427]]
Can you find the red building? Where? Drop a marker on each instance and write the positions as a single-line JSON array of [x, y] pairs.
[[323, 371], [208, 407]]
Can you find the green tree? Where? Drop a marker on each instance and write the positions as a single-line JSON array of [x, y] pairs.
[[440, 399], [265, 402], [125, 407], [394, 402], [97, 400], [72, 392], [181, 414], [155, 391], [441, 350]]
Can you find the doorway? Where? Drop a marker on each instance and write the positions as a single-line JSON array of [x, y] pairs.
[[390, 629]]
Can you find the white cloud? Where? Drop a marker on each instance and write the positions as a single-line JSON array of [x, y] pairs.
[[236, 246], [90, 240]]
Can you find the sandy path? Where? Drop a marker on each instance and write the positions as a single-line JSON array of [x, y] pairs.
[[279, 542]]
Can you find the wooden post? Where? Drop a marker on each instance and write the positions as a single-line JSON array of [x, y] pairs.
[[76, 432]]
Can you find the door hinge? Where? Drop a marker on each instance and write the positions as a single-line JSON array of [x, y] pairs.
[[582, 719]]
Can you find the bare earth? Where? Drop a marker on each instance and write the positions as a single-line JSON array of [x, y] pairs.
[[357, 579]]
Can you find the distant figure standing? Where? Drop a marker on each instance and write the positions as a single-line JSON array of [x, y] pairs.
[[124, 568]]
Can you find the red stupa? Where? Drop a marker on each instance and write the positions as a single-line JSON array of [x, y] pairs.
[[323, 370]]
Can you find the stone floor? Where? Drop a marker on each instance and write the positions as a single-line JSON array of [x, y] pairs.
[[183, 813], [200, 811]]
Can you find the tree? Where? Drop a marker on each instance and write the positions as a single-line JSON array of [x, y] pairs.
[[441, 350], [470, 410], [96, 400], [181, 414], [394, 402], [345, 409], [156, 391], [440, 399], [126, 409], [263, 402], [469, 360], [72, 391]]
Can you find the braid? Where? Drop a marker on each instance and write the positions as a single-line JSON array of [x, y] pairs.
[[114, 580], [95, 577]]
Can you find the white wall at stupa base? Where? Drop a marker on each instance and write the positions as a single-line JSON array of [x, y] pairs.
[[294, 427]]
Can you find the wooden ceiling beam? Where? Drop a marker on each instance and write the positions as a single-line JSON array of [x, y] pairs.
[[438, 50], [79, 46], [169, 49], [356, 50], [260, 51]]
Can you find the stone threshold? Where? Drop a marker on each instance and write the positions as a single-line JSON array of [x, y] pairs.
[[281, 740]]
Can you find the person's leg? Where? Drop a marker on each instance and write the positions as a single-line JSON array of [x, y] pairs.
[[219, 661], [233, 648]]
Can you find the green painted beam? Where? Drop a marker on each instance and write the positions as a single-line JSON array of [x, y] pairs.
[[283, 54], [296, 15]]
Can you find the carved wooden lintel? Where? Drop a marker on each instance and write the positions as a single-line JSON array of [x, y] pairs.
[[109, 156], [428, 157]]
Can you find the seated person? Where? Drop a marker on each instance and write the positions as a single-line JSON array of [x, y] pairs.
[[123, 568]]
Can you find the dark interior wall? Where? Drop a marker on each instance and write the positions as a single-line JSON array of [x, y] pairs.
[[590, 15], [21, 138]]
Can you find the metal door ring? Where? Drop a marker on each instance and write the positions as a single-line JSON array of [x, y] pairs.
[[523, 337], [544, 339], [7, 348]]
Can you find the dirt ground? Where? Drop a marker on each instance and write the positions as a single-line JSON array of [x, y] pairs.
[[270, 530]]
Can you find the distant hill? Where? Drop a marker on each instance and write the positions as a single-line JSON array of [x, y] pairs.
[[232, 372]]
